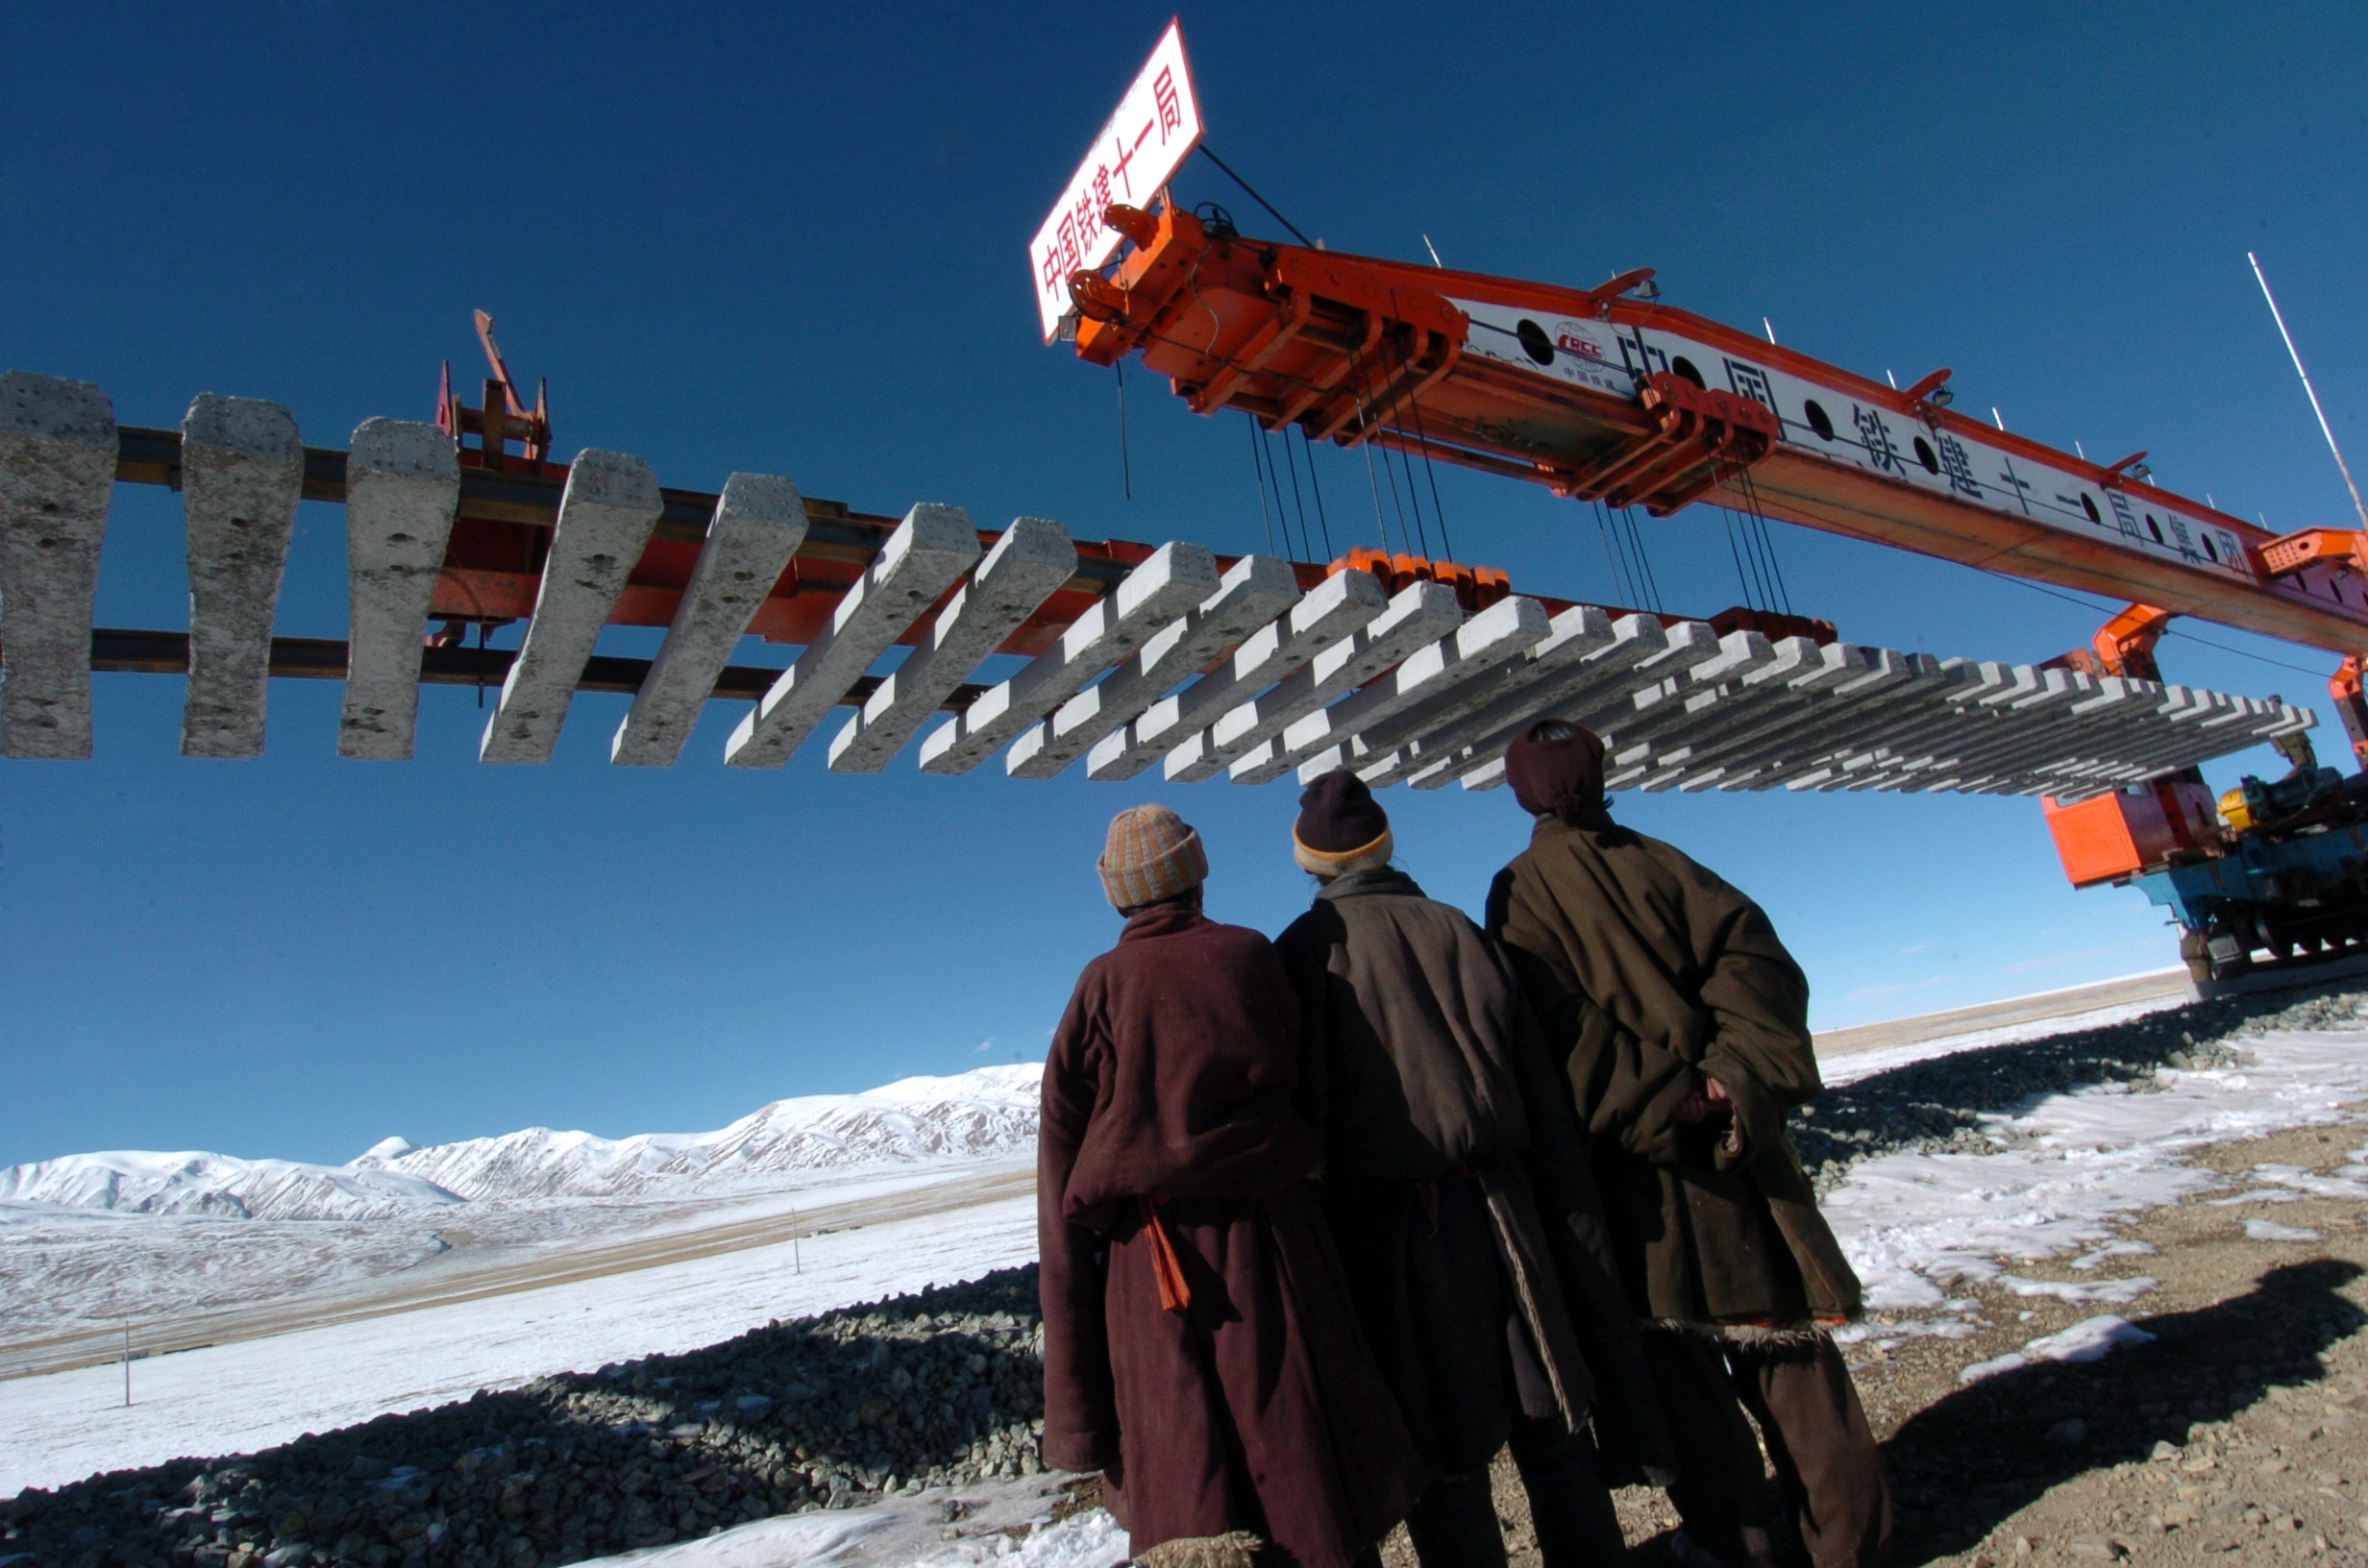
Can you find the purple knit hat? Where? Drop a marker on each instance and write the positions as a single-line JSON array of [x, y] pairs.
[[1151, 855]]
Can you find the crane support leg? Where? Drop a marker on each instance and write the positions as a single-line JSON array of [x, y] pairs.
[[2350, 707], [2124, 646]]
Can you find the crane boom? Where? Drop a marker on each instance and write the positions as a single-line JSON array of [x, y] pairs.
[[1608, 394], [1602, 396]]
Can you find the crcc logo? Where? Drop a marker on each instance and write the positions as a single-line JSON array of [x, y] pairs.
[[1580, 337]]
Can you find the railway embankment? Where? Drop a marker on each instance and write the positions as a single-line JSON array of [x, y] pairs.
[[2227, 1423]]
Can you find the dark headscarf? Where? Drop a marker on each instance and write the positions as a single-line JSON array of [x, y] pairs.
[[1555, 769]]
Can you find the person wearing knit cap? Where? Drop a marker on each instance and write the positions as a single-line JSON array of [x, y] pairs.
[[1457, 1181], [1684, 1026], [1341, 828], [1152, 857], [1199, 1348]]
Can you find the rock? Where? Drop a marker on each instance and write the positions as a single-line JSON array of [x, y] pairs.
[[2098, 1548], [2165, 1452], [1237, 1549], [570, 1467]]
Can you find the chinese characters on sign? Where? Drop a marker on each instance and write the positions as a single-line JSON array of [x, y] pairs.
[[1157, 126], [2123, 515], [2179, 531], [1958, 464], [1881, 450], [1751, 381]]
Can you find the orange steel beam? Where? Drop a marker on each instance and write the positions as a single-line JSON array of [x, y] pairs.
[[2293, 553], [501, 534], [494, 561], [1596, 395]]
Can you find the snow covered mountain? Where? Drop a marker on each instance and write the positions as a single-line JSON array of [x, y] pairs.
[[218, 1185], [989, 1111], [986, 1111]]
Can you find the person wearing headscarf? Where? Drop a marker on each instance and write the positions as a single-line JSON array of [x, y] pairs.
[[1457, 1185], [1199, 1347], [1683, 1026]]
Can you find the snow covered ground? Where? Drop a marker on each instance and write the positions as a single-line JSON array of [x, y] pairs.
[[269, 1297], [252, 1393], [1914, 1226], [1844, 1069], [1918, 1227], [192, 1248], [910, 1532], [1918, 1224]]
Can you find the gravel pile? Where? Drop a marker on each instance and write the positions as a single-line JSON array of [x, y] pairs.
[[940, 1388], [1936, 1106]]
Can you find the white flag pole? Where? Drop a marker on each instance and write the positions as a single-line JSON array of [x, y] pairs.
[[2279, 316]]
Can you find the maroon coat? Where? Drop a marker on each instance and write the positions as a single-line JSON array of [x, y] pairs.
[[1257, 1406]]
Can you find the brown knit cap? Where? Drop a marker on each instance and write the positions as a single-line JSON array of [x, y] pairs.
[[1151, 855]]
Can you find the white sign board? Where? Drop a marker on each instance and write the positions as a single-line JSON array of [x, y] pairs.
[[1950, 461], [1157, 126]]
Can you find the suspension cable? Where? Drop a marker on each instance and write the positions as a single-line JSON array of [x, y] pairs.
[[1356, 368], [1321, 521], [1620, 586], [1405, 465], [1274, 477], [1258, 468], [1615, 549], [1751, 489], [1127, 470], [1413, 498], [1306, 539], [1208, 153], [1422, 444], [1430, 471], [1379, 523], [1741, 578], [1644, 561]]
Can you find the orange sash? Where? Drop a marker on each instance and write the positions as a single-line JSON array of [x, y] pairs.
[[1175, 1296]]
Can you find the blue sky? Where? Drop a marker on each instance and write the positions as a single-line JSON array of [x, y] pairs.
[[776, 239]]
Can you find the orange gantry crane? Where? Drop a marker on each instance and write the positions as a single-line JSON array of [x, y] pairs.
[[1607, 394], [1134, 655], [1601, 394]]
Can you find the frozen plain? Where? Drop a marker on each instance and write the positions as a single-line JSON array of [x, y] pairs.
[[1917, 1226], [193, 1248]]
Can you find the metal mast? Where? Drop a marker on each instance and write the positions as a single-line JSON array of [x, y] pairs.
[[2308, 390]]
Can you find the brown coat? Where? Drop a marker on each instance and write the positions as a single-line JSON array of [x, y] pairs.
[[1459, 1180], [1652, 975], [1257, 1406]]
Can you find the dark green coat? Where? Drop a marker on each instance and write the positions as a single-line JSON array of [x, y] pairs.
[[1649, 974]]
